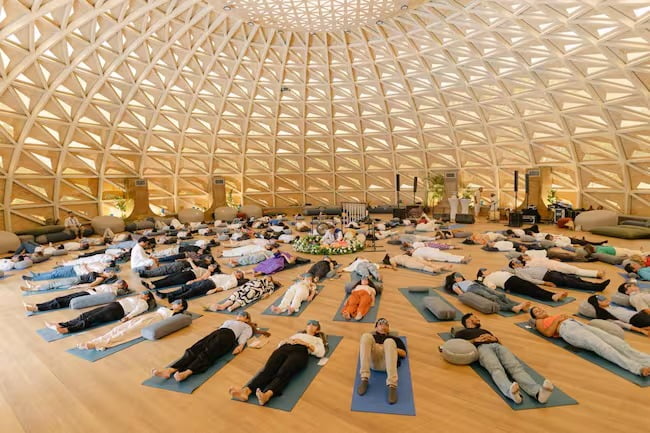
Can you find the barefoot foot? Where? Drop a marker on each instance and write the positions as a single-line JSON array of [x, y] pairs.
[[239, 394], [180, 376], [165, 373], [263, 397]]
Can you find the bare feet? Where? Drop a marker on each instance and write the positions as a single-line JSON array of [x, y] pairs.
[[233, 262], [526, 306], [276, 309], [220, 307], [86, 346], [165, 373], [358, 317], [466, 259], [30, 307], [56, 327], [263, 397], [290, 310], [600, 274], [557, 297], [645, 371], [239, 394], [345, 315], [180, 376], [514, 394]]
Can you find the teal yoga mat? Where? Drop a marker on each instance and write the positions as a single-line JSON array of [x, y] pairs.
[[96, 355], [38, 313], [565, 301], [640, 283], [375, 399], [558, 398], [38, 292], [50, 335], [300, 382], [416, 298], [368, 318], [591, 357], [233, 313], [302, 308]]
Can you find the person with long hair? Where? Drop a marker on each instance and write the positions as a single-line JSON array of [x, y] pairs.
[[250, 292], [123, 309], [623, 317], [291, 357], [214, 283], [456, 284], [593, 339], [513, 284]]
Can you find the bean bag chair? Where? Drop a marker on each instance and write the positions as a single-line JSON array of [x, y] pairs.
[[623, 232], [101, 223], [595, 218], [458, 351], [26, 238], [166, 327], [55, 237], [609, 327], [91, 300], [8, 242], [225, 213], [479, 303], [190, 216], [251, 210]]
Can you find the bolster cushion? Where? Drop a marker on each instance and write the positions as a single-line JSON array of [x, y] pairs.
[[23, 264], [439, 308], [608, 327], [91, 300], [587, 310], [479, 303], [166, 327], [621, 299], [458, 351]]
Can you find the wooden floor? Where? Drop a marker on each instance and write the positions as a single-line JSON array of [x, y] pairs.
[[45, 389]]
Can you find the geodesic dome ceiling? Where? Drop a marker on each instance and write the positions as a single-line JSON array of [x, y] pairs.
[[176, 92]]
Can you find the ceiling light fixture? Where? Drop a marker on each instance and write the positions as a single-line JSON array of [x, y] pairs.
[[380, 22], [227, 8], [404, 7]]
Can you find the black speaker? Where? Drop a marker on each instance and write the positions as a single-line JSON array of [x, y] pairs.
[[397, 181], [464, 218], [515, 219], [415, 184], [400, 213], [516, 181], [527, 181]]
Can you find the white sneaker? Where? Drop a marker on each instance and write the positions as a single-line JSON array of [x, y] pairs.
[[514, 394], [545, 392]]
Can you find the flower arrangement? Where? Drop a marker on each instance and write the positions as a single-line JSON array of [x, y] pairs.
[[310, 244]]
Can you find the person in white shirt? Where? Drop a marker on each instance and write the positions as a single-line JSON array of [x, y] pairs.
[[123, 309], [620, 316], [500, 246], [434, 254], [118, 288], [406, 261], [303, 290], [140, 260], [565, 268], [72, 224], [513, 284], [289, 359], [208, 284], [127, 331], [231, 336], [248, 247], [640, 301]]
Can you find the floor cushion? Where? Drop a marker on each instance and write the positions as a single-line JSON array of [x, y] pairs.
[[251, 210], [8, 242], [165, 327], [587, 310], [594, 218], [609, 327], [441, 309], [91, 300], [621, 299], [622, 232], [458, 351], [101, 223], [225, 213], [190, 215]]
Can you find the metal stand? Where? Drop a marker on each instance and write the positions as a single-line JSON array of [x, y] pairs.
[[371, 232]]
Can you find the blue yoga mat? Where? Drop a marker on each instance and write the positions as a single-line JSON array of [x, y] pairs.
[[416, 298], [566, 300], [558, 398], [591, 357], [50, 335], [641, 284], [368, 318], [300, 382], [375, 400], [302, 308], [37, 313], [38, 292], [95, 355]]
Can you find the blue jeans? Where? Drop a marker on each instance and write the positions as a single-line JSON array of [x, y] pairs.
[[498, 360], [28, 246], [62, 272]]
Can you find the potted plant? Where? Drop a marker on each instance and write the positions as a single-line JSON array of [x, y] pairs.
[[435, 190]]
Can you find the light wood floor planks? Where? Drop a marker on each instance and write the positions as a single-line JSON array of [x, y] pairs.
[[45, 389]]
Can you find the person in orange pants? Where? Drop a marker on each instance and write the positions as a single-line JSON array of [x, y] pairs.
[[360, 301]]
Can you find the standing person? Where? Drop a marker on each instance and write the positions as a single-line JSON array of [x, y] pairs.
[[290, 358], [497, 360], [477, 202], [382, 352], [73, 225]]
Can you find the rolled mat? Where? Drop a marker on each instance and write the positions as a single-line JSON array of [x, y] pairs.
[[416, 298], [591, 357], [558, 398], [375, 399], [300, 382]]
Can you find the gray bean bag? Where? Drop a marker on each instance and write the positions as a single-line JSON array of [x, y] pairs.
[[91, 300], [587, 310], [479, 303], [23, 264], [165, 327], [621, 299], [55, 237], [439, 308], [8, 242], [609, 327], [458, 351]]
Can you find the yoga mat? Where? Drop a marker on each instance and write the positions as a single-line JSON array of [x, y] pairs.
[[38, 292], [36, 313], [419, 271], [300, 382], [591, 357], [416, 298], [375, 400], [232, 313], [368, 318], [452, 226], [558, 397], [566, 300], [641, 284], [50, 335], [95, 355], [303, 305]]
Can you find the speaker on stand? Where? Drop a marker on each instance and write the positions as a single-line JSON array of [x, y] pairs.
[[415, 187], [527, 185], [514, 219]]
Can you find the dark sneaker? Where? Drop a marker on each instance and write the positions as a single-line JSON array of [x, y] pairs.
[[392, 394], [363, 387]]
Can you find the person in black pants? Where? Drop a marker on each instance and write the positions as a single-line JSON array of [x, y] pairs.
[[119, 288], [544, 277], [204, 286], [285, 362], [231, 336], [186, 276], [513, 284], [167, 269], [320, 269], [123, 310]]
